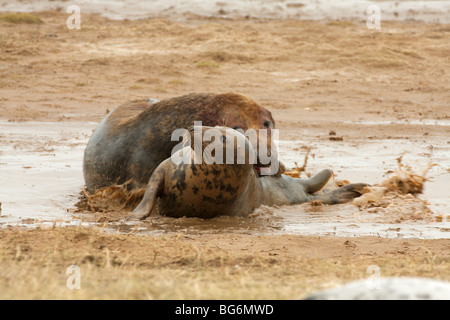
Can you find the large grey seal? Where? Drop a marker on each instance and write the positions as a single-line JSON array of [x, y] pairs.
[[195, 189], [135, 137]]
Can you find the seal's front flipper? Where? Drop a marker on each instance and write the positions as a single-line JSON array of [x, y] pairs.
[[343, 194], [319, 181], [154, 189]]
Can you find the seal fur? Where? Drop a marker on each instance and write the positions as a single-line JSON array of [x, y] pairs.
[[209, 190]]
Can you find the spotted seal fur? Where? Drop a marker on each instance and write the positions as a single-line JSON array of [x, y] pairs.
[[209, 190]]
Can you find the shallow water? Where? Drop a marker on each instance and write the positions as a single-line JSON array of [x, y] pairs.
[[40, 170], [41, 178], [368, 162], [423, 122]]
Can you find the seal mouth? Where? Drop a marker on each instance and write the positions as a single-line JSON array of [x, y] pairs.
[[258, 169]]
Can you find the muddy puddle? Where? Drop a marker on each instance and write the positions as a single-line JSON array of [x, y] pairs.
[[41, 179], [40, 170]]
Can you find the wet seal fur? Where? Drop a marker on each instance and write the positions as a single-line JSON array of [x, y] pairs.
[[209, 190], [133, 139]]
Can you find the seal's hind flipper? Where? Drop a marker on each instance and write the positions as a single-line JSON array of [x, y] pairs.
[[343, 194], [319, 181], [154, 189]]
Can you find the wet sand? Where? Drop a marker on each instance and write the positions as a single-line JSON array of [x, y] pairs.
[[384, 92]]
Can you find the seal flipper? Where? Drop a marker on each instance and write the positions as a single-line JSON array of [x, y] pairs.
[[343, 194], [154, 189], [319, 181]]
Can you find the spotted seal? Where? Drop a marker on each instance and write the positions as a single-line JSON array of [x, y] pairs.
[[133, 139], [203, 189]]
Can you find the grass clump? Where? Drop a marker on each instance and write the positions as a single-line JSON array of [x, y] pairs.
[[19, 17], [207, 65]]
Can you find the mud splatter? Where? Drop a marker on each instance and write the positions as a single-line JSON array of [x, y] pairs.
[[396, 198], [297, 171], [111, 203]]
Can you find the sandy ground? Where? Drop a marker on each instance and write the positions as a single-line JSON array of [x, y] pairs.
[[128, 266], [373, 88]]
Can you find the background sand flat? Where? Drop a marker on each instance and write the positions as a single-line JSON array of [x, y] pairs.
[[428, 11]]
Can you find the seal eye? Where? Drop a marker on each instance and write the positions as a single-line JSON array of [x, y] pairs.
[[223, 139], [267, 123]]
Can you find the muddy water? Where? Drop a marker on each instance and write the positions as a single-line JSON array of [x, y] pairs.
[[40, 170], [369, 161], [41, 178]]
